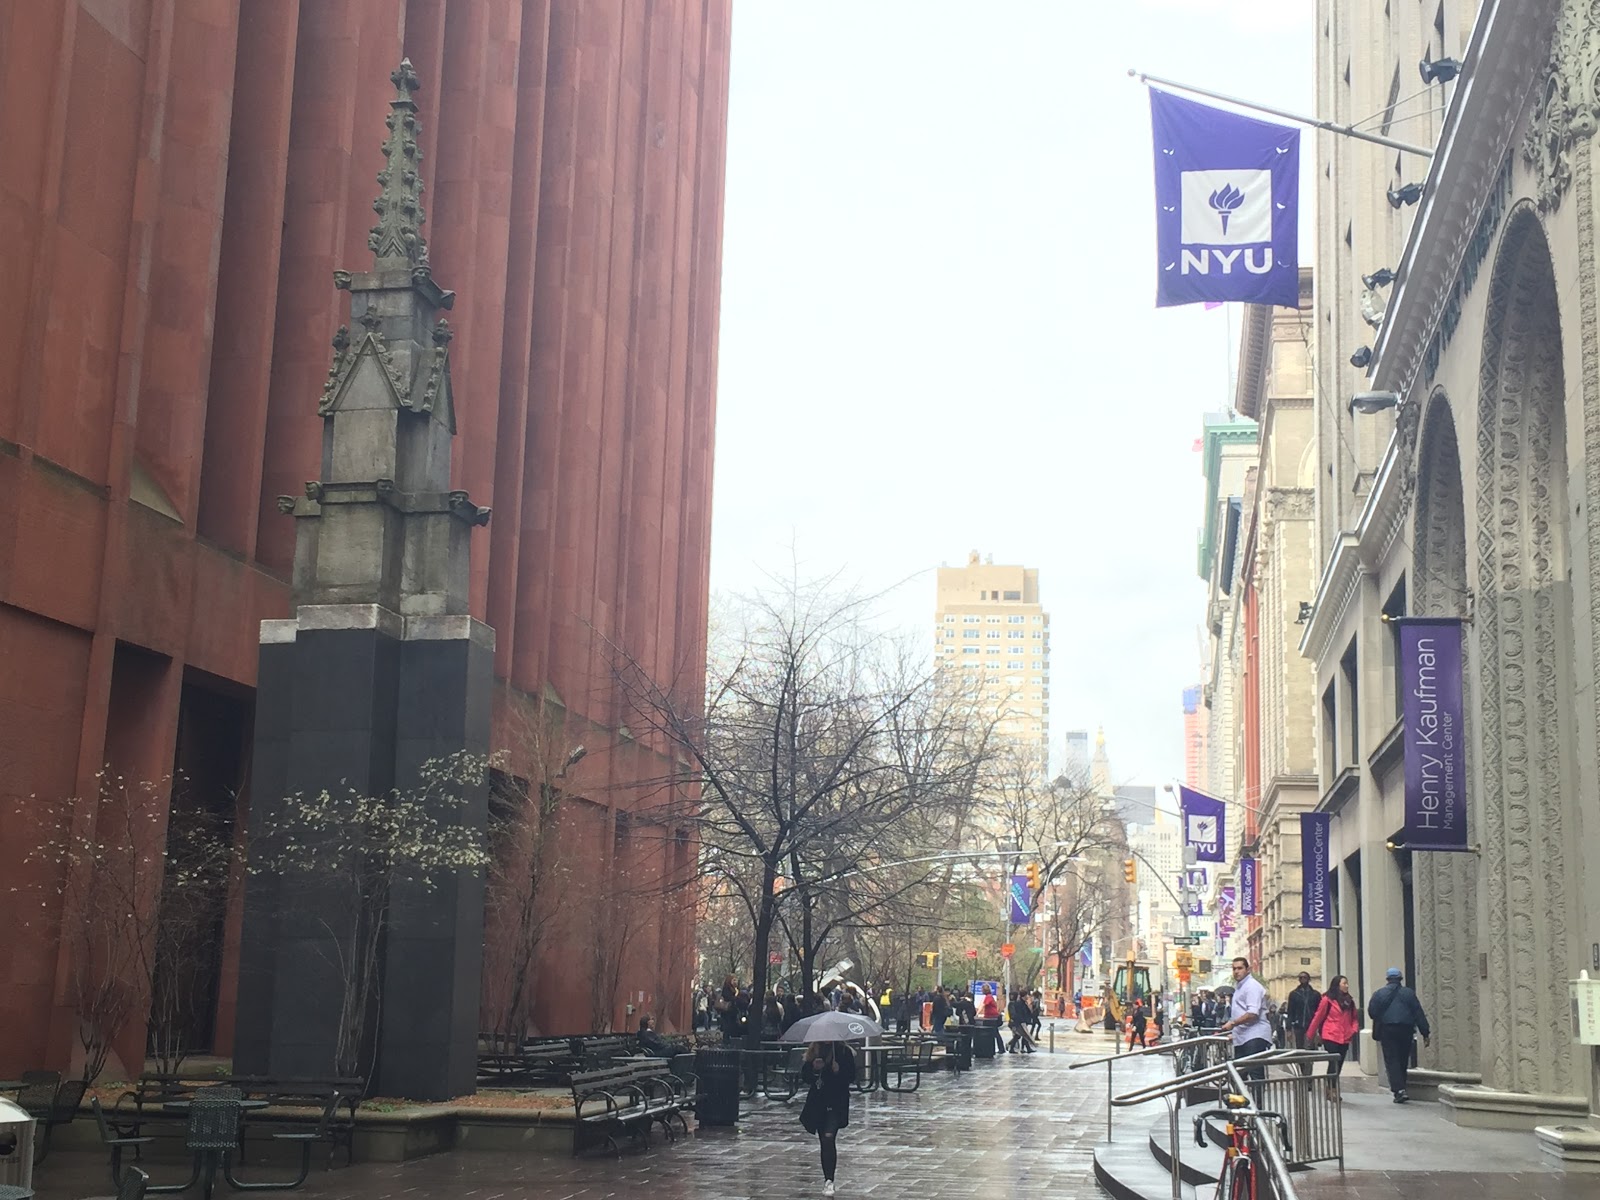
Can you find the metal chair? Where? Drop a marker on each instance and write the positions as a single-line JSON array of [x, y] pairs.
[[117, 1142], [306, 1139], [61, 1112], [132, 1185], [212, 1137], [37, 1095]]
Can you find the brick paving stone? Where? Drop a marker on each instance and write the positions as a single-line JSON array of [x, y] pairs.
[[1023, 1122]]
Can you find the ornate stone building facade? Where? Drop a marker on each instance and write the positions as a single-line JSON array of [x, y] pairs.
[[1479, 501]]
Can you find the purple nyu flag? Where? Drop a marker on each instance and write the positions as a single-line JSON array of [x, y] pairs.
[[1021, 901], [1227, 205], [1316, 891], [1203, 825], [1430, 683], [1247, 886]]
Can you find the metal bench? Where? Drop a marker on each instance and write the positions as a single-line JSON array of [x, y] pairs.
[[628, 1099]]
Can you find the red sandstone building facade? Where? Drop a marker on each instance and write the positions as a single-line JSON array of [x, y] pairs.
[[183, 178]]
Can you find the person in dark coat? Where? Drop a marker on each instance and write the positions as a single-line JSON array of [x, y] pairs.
[[727, 1008], [650, 1041], [941, 1010], [1301, 1008], [1138, 1023], [830, 1069], [1397, 1018]]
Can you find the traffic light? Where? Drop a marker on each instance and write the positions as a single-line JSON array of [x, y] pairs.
[[1130, 870], [1033, 878], [929, 959]]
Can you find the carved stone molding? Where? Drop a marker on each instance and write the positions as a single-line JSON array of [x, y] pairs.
[[1291, 504], [1568, 109]]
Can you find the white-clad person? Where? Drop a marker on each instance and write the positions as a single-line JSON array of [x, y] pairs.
[[1247, 1018]]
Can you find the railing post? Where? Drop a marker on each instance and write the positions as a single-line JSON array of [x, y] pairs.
[[1177, 1165], [1109, 1109]]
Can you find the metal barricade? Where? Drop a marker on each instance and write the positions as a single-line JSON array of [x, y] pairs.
[[1302, 1095]]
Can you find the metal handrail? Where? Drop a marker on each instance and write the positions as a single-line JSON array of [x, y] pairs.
[[1112, 1060], [1180, 1083], [1282, 1185], [1158, 1048]]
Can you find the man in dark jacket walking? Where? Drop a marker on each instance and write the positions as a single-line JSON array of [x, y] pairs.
[[1397, 1018], [1302, 1006]]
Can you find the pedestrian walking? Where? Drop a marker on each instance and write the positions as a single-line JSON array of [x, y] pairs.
[[1300, 1009], [830, 1069], [1138, 1022], [1336, 1021], [941, 1009], [1247, 1019], [727, 1009], [1397, 1018], [1018, 1016]]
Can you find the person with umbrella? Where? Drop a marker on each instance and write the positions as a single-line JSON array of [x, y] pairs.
[[828, 1073]]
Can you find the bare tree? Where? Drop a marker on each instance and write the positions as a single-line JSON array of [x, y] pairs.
[[819, 747], [136, 894], [524, 875]]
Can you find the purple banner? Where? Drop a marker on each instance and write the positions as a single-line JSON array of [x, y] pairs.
[[1247, 886], [1204, 825], [1436, 777], [1021, 901], [1316, 893], [1227, 205]]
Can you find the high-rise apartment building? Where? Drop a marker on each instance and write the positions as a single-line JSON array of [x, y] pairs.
[[1194, 737], [988, 622]]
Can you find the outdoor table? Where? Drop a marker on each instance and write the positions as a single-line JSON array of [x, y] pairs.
[[180, 1107]]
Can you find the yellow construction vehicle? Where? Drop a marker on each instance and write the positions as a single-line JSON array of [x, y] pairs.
[[1131, 982]]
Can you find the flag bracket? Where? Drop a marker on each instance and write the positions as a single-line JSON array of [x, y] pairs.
[[1349, 131]]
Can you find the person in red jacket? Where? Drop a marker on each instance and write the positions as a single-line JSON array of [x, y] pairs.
[[1337, 1019]]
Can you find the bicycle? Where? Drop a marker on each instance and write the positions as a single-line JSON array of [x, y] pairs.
[[1239, 1179]]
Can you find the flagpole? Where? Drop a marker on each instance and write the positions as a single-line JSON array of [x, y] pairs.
[[1312, 122]]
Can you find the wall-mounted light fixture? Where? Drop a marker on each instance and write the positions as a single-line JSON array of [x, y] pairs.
[[1382, 277], [1368, 403], [1361, 357], [1440, 70], [1406, 193]]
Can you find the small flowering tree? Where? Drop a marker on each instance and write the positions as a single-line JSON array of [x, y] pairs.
[[138, 894], [342, 853]]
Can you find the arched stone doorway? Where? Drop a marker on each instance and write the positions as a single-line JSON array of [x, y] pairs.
[[1522, 629], [1445, 884]]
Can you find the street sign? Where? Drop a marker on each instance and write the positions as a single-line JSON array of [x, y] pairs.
[[1187, 939], [972, 954], [1007, 950]]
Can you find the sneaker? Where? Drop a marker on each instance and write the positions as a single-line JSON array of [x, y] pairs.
[[827, 1187], [1403, 1098]]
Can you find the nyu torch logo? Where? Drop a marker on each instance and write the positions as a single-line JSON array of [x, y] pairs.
[[1225, 222]]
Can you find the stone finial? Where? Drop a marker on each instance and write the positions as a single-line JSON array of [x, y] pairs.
[[397, 237]]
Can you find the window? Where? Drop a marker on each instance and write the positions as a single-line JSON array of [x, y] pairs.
[[991, 649], [971, 620], [969, 649], [1014, 620], [1038, 665], [992, 620], [1014, 633], [1394, 607], [1014, 664], [1037, 620], [971, 633], [994, 634], [1330, 739], [1013, 596], [950, 619], [1348, 666]]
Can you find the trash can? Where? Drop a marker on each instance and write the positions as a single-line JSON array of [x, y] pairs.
[[16, 1147], [717, 1101], [961, 1047], [983, 1035]]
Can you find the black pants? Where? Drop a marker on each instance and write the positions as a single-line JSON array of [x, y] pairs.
[[1256, 1073], [828, 1136], [1396, 1042], [1337, 1065]]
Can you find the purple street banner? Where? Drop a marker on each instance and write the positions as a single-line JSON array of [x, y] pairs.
[[1194, 877], [1021, 901], [1247, 887], [1430, 684], [1203, 825], [1227, 900], [1086, 954], [1227, 205], [1316, 893]]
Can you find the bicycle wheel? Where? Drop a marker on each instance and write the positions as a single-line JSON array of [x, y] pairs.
[[1242, 1184]]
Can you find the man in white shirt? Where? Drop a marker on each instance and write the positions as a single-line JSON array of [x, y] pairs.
[[1247, 1020]]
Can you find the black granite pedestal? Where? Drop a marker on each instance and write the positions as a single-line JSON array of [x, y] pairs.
[[353, 696]]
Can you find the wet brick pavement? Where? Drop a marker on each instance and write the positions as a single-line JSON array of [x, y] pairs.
[[1021, 1125]]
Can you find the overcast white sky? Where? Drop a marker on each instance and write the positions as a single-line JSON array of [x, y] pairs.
[[938, 328]]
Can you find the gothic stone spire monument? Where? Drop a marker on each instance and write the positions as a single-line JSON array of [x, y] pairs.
[[379, 671]]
